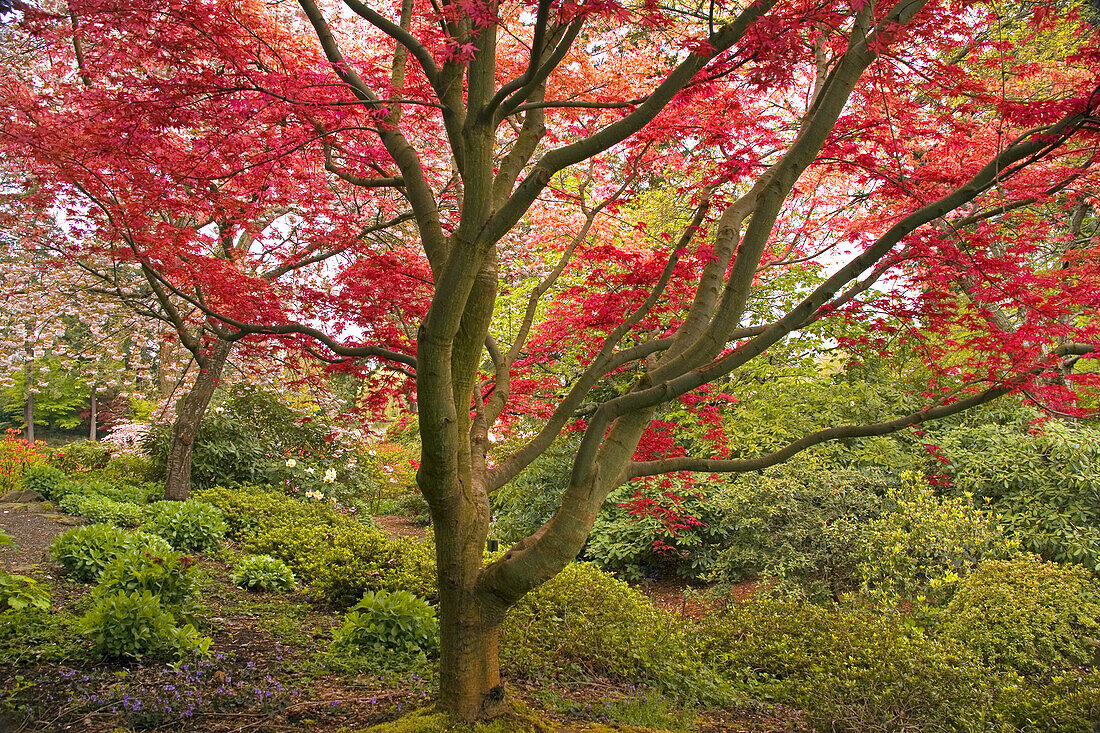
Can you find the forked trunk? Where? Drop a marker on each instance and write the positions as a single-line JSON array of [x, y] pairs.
[[192, 407]]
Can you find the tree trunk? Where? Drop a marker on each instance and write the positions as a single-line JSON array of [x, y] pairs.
[[189, 413], [28, 383], [93, 418], [470, 686]]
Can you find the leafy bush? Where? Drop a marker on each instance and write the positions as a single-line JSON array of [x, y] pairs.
[[341, 562], [1027, 615], [584, 622], [925, 543], [18, 592], [167, 575], [1068, 703], [43, 479], [657, 532], [81, 455], [389, 622], [101, 509], [263, 573], [248, 509], [247, 439], [1046, 483], [189, 526], [16, 457], [84, 552], [797, 526], [122, 624], [133, 468], [857, 669], [525, 503]]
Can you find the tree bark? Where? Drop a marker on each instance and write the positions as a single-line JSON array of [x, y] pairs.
[[28, 384], [93, 418], [189, 413]]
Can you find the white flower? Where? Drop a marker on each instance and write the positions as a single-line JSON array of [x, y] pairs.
[[291, 463], [314, 495], [330, 476], [219, 409], [310, 470]]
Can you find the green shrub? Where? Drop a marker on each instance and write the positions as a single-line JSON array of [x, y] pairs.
[[924, 544], [122, 624], [797, 526], [247, 509], [133, 468], [341, 562], [84, 552], [167, 575], [524, 504], [18, 592], [189, 526], [263, 573], [584, 622], [101, 509], [1027, 615], [1069, 702], [37, 635], [43, 479], [857, 669], [389, 622], [81, 455]]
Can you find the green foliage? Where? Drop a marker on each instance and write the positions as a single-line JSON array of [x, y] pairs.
[[584, 622], [18, 593], [122, 624], [60, 394], [797, 526], [523, 504], [167, 575], [80, 456], [133, 468], [1068, 703], [263, 573], [1046, 483], [1027, 615], [189, 526], [651, 531], [100, 509], [342, 562], [36, 634], [853, 670], [246, 509], [250, 438], [84, 552], [924, 544], [43, 479], [389, 622]]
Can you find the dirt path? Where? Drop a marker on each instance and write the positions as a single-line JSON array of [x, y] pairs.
[[32, 531]]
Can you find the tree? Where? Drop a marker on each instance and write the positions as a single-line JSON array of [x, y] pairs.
[[868, 139]]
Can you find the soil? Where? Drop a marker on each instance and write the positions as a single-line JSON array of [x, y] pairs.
[[397, 525], [32, 532]]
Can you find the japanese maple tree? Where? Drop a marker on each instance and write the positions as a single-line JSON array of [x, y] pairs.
[[888, 163]]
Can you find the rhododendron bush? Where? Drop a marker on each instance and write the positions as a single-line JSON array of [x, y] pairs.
[[545, 217]]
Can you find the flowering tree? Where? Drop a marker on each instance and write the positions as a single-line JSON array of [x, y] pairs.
[[888, 164]]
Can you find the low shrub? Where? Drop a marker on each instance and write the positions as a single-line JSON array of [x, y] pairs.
[[924, 543], [341, 562], [84, 552], [189, 526], [385, 622], [167, 575], [101, 509], [263, 573], [1069, 702], [43, 479], [18, 592], [1027, 615], [81, 455], [856, 669], [122, 624], [584, 622], [133, 468], [37, 635], [798, 527], [247, 509]]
